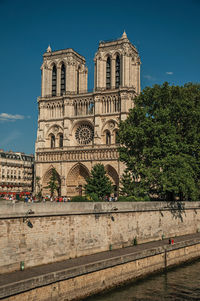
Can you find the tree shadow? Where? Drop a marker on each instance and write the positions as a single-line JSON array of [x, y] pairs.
[[177, 209]]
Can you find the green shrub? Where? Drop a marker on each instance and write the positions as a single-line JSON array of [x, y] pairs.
[[133, 199], [135, 242], [93, 197], [122, 198], [79, 198]]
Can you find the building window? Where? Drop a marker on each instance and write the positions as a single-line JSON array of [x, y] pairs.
[[61, 140], [63, 78], [117, 72], [117, 137], [108, 73], [54, 80], [108, 138], [52, 141]]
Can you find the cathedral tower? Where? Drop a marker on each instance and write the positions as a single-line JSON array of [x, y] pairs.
[[77, 129]]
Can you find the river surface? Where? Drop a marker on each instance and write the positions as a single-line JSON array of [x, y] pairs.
[[181, 283]]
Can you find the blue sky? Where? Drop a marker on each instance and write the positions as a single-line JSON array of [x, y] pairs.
[[166, 33]]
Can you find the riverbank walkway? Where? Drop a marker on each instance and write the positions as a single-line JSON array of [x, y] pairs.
[[20, 281]]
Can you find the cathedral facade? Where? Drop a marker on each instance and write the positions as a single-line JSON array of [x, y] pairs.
[[77, 128]]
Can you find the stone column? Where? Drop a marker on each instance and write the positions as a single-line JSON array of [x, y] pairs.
[[69, 78], [138, 79], [126, 71], [42, 81], [97, 120], [123, 71], [95, 75], [48, 82]]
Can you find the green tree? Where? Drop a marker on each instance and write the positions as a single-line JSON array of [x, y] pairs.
[[127, 184], [160, 142], [98, 183], [53, 183]]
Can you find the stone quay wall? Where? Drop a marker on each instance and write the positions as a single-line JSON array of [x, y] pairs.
[[77, 282], [67, 230]]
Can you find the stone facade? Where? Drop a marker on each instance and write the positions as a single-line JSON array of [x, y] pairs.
[[77, 129], [16, 172]]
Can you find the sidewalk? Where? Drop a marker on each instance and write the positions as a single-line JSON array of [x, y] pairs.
[[66, 269]]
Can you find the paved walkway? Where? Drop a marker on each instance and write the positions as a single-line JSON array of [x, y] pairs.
[[6, 279]]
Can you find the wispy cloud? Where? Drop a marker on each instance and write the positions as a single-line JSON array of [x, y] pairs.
[[169, 72], [15, 134], [149, 77], [5, 117]]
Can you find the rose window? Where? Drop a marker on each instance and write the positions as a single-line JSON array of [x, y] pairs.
[[84, 134]]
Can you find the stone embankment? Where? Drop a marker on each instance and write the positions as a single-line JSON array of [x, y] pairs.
[[43, 233], [77, 278]]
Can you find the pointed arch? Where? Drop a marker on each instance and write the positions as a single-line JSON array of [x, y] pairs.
[[117, 71], [107, 137], [113, 176], [76, 179], [54, 80], [108, 73], [60, 135], [116, 135], [52, 141], [46, 179], [63, 79]]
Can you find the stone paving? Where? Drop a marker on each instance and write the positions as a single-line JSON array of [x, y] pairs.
[[18, 276]]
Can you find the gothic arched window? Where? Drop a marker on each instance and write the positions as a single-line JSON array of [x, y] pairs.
[[52, 141], [61, 140], [117, 72], [108, 138], [108, 73], [54, 80], [116, 136], [63, 78]]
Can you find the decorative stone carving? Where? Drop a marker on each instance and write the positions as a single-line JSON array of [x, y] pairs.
[[56, 129], [49, 49], [111, 125]]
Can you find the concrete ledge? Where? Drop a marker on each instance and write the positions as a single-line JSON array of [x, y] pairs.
[[52, 209], [131, 254]]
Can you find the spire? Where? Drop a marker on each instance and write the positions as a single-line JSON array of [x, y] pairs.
[[124, 36], [49, 49]]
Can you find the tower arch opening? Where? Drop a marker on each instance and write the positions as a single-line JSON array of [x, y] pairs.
[[63, 79], [108, 73], [54, 80]]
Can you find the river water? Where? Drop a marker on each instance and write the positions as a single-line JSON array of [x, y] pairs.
[[180, 283]]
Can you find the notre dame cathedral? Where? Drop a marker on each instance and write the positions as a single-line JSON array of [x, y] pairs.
[[77, 128]]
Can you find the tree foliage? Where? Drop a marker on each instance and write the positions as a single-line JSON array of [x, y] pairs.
[[53, 183], [160, 142], [98, 183], [128, 186]]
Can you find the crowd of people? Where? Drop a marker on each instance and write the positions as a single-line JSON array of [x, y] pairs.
[[32, 199]]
